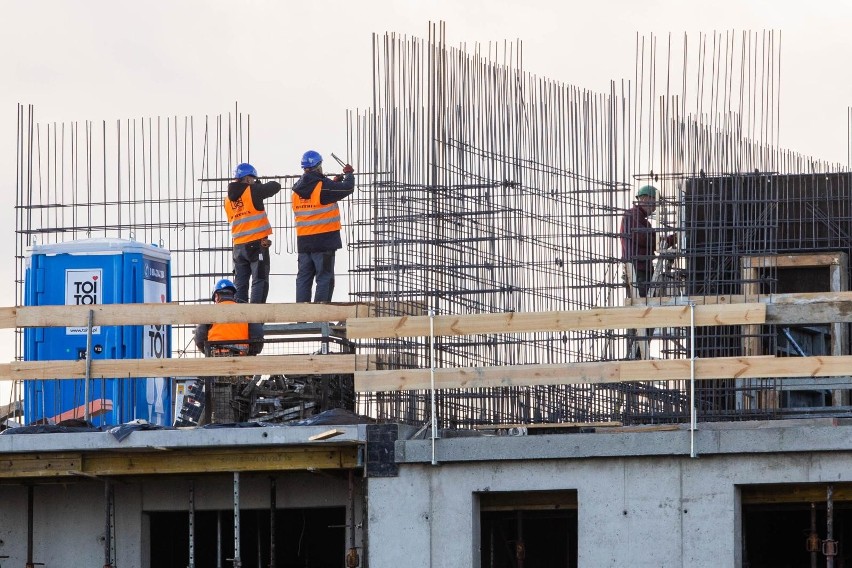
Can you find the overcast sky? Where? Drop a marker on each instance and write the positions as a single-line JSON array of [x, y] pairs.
[[296, 66]]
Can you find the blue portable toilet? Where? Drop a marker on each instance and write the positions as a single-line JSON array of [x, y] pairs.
[[98, 271]]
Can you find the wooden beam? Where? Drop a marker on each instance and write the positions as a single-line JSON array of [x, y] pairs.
[[222, 460], [39, 465], [174, 314], [794, 493], [802, 298], [176, 461], [603, 372], [518, 322], [201, 367], [798, 260]]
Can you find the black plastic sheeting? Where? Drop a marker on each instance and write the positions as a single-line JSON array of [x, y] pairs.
[[333, 417]]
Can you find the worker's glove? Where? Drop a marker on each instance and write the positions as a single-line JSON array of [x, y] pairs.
[[347, 169], [338, 177]]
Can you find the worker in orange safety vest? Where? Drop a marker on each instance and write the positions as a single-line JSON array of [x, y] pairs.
[[228, 339], [317, 216]]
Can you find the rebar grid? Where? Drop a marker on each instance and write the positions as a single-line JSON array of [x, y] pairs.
[[506, 191]]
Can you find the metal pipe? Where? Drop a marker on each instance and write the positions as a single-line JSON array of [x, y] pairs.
[[237, 560], [432, 381], [107, 524], [86, 405], [191, 524], [30, 499], [273, 506], [829, 548], [218, 539], [693, 415]]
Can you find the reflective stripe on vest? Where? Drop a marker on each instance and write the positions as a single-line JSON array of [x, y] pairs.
[[312, 217], [228, 331], [247, 223]]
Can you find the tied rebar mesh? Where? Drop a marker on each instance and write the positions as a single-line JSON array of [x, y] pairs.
[[505, 194], [496, 190]]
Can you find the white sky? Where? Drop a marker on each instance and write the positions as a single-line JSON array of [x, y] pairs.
[[296, 66]]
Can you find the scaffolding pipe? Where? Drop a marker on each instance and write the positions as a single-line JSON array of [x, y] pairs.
[[191, 524], [108, 495], [693, 415], [237, 561], [432, 382], [273, 508], [86, 404]]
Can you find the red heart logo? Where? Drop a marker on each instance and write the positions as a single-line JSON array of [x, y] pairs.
[[94, 277]]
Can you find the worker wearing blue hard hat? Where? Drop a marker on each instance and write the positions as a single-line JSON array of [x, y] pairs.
[[317, 219], [228, 339], [250, 231]]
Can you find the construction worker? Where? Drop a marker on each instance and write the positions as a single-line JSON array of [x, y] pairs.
[[250, 230], [228, 339], [639, 240], [317, 216]]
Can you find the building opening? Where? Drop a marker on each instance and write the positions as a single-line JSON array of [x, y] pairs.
[[797, 525], [531, 529], [303, 537]]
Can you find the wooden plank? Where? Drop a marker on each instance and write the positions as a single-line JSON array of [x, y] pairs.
[[173, 314], [798, 260], [603, 373], [517, 322], [39, 464], [801, 298], [794, 493], [221, 460], [326, 435], [200, 367]]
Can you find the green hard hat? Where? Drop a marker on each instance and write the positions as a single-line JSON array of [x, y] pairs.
[[647, 190]]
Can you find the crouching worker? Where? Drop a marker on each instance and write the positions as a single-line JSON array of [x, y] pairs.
[[222, 403], [228, 339]]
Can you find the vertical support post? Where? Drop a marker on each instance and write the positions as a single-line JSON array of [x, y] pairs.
[[829, 547], [273, 507], [520, 545], [107, 524], [432, 381], [839, 282], [30, 512], [693, 414], [86, 403], [191, 524], [238, 563], [218, 539]]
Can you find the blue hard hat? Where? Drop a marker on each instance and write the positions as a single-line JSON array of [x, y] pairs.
[[224, 284], [311, 159], [244, 170]]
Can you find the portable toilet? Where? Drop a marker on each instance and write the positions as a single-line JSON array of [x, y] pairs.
[[87, 272]]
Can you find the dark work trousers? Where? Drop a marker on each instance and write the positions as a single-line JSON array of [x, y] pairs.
[[319, 266], [251, 261], [643, 280]]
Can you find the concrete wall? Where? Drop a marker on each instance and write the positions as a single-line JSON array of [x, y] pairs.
[[635, 510], [69, 518]]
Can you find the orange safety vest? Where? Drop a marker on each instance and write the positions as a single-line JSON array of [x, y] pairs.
[[236, 332], [312, 217], [247, 222]]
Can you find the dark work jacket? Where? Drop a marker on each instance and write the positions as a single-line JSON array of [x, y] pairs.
[[259, 191], [331, 192], [638, 239]]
